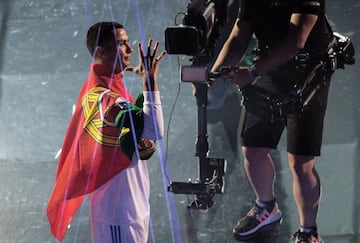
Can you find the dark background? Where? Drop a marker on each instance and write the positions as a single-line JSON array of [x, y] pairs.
[[43, 62]]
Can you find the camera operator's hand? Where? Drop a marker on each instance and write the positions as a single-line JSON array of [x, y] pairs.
[[148, 66], [240, 76]]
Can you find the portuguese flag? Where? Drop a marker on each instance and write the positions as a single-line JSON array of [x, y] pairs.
[[91, 153]]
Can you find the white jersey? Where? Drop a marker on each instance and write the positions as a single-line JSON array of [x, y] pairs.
[[124, 200]]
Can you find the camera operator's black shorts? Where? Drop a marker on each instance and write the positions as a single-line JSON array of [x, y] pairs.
[[304, 133]]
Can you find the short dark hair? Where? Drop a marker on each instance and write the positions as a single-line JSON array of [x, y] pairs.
[[101, 33]]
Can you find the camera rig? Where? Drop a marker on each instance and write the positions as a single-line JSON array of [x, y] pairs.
[[342, 51], [267, 104], [196, 37]]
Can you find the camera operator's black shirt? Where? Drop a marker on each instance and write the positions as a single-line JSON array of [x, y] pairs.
[[271, 19]]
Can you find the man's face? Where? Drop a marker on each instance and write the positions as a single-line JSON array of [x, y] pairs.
[[118, 50]]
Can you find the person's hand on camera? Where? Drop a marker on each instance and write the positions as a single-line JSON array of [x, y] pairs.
[[148, 66], [240, 76]]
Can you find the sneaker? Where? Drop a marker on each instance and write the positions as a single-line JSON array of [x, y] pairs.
[[256, 219], [303, 237]]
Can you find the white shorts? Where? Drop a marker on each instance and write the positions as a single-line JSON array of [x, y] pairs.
[[133, 233], [120, 209]]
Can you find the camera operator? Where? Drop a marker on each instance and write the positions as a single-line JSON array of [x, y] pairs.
[[292, 39]]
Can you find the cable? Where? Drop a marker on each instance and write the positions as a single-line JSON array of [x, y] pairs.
[[169, 123]]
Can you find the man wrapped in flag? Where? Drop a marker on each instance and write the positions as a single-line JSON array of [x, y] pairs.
[[108, 140]]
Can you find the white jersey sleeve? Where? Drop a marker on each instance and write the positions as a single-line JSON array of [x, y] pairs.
[[153, 116]]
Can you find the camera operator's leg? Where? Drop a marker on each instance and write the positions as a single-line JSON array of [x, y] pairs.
[[304, 137], [261, 174], [306, 187], [307, 191], [260, 171], [258, 136]]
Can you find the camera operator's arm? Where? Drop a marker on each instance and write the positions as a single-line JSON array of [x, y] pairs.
[[235, 46], [300, 27]]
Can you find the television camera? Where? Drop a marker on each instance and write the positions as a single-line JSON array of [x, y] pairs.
[[199, 30], [196, 36]]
